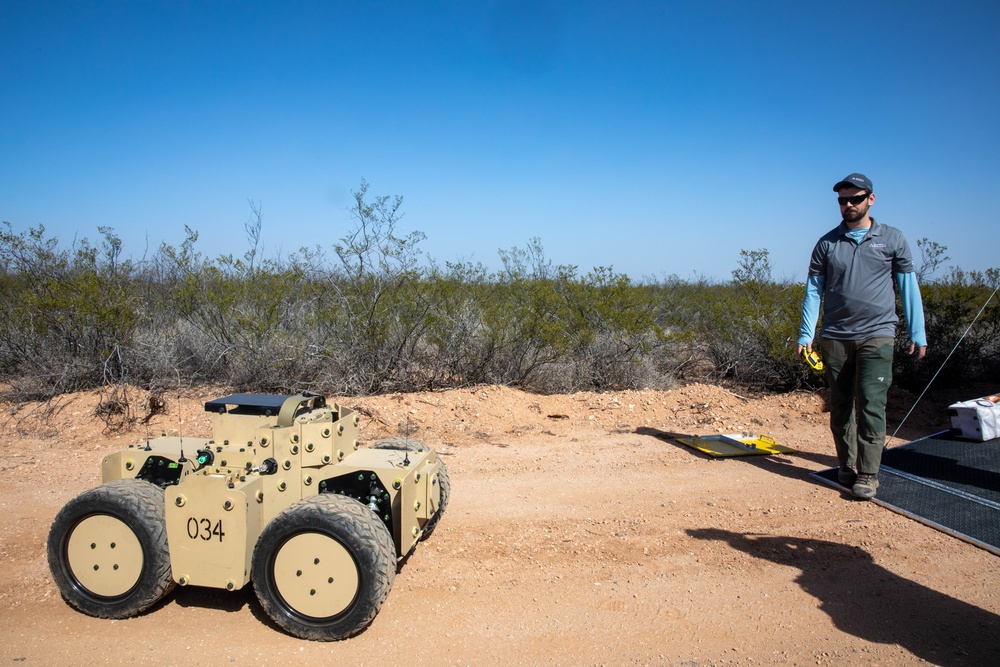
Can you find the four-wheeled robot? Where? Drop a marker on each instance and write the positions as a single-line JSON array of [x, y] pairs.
[[282, 497]]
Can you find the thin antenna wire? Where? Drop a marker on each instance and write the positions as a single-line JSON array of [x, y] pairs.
[[936, 373], [180, 423]]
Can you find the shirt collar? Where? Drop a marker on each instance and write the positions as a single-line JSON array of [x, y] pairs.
[[874, 230]]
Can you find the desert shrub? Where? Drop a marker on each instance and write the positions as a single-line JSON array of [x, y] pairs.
[[67, 313], [368, 315], [611, 323], [951, 305], [742, 331], [525, 316], [375, 309], [460, 348], [541, 326]]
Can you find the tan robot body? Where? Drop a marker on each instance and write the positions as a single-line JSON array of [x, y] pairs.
[[282, 497]]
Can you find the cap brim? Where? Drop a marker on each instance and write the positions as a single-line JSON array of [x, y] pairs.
[[847, 184]]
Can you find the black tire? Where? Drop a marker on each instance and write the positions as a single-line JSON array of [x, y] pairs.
[[107, 549], [402, 445], [323, 567], [444, 485]]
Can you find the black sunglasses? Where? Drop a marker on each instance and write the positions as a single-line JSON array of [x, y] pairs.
[[856, 199]]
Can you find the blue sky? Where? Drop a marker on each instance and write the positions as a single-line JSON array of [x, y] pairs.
[[657, 138]]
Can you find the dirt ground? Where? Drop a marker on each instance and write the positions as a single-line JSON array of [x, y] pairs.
[[579, 532]]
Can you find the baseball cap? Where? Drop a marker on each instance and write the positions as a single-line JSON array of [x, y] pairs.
[[855, 181]]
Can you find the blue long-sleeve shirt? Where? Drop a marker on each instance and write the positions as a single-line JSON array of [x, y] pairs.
[[837, 255], [909, 292]]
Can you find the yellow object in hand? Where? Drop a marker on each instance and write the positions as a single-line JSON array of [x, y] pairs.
[[812, 358]]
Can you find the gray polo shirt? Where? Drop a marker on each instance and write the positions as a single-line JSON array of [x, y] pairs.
[[859, 301]]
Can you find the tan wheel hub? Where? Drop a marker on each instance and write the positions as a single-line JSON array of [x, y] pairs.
[[104, 555], [315, 575]]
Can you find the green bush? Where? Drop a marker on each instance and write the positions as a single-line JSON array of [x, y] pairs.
[[68, 313], [371, 316], [951, 308]]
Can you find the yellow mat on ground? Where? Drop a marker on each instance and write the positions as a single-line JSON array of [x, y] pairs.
[[735, 445]]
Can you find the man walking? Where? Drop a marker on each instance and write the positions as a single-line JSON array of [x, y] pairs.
[[851, 272]]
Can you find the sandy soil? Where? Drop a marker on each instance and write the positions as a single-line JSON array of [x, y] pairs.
[[579, 533]]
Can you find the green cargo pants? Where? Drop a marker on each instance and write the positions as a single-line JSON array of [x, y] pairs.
[[859, 373]]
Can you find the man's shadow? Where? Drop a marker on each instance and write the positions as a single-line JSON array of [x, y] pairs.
[[866, 600]]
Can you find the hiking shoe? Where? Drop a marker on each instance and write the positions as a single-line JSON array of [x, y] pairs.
[[865, 486], [847, 477]]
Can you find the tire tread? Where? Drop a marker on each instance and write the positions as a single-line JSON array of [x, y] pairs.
[[134, 502], [376, 554]]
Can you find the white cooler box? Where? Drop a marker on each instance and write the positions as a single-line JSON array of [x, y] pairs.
[[978, 419]]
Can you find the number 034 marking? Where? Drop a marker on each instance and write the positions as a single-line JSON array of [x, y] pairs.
[[203, 528]]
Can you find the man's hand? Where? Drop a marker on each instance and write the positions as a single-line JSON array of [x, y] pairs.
[[808, 348], [921, 351]]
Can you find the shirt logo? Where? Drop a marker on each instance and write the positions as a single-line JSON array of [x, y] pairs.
[[878, 245]]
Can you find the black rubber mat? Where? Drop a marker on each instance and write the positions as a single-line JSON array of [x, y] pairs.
[[950, 484]]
